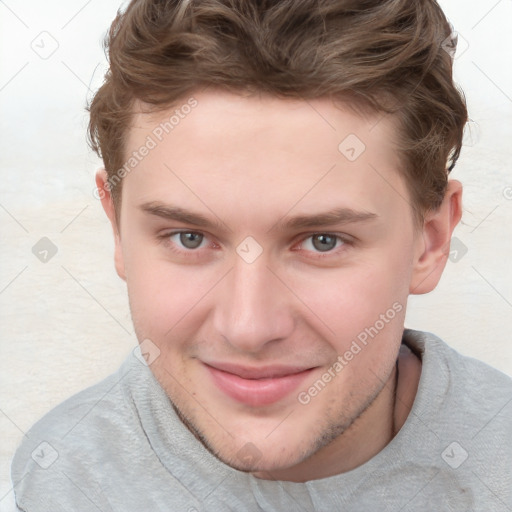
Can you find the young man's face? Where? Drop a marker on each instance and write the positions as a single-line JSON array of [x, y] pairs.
[[253, 303]]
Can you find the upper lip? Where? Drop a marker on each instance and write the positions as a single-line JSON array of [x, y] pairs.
[[264, 372]]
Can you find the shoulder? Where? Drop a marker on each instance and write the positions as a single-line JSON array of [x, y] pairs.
[[450, 378], [62, 449], [432, 349], [464, 407], [455, 444]]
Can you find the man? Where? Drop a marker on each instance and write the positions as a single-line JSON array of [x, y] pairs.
[[276, 177]]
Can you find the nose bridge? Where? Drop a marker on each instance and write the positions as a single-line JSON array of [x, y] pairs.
[[251, 309]]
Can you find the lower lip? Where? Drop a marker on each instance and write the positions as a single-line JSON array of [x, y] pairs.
[[256, 392]]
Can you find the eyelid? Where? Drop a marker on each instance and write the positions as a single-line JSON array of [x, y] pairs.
[[342, 236], [164, 237], [346, 239]]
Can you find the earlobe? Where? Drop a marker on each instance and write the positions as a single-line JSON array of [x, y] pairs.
[[108, 205], [434, 241]]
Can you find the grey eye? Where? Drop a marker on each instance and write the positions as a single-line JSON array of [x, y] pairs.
[[323, 242], [191, 240]]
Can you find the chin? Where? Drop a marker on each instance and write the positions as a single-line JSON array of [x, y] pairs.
[[263, 466], [251, 456]]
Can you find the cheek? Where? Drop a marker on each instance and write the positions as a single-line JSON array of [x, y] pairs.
[[166, 300], [350, 299]]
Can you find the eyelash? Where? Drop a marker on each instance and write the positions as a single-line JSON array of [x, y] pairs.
[[346, 241]]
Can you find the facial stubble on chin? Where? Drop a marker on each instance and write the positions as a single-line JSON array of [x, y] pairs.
[[329, 434]]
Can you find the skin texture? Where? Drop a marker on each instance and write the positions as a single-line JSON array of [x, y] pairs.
[[249, 162]]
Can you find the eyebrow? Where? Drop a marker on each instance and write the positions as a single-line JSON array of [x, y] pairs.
[[181, 215], [328, 218]]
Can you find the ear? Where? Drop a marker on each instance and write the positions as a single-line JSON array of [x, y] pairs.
[[104, 193], [434, 241]]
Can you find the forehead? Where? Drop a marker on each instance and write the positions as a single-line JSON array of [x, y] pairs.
[[236, 151]]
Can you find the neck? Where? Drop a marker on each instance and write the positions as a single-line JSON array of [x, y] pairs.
[[370, 433]]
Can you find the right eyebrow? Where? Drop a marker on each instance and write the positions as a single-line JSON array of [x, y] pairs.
[[176, 213]]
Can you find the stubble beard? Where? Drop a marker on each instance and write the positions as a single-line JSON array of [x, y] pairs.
[[337, 425]]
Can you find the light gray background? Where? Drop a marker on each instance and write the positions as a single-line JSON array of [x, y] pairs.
[[65, 323]]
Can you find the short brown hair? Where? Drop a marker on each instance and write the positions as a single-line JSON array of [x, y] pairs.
[[388, 55]]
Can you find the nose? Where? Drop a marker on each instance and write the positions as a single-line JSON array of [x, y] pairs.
[[253, 307]]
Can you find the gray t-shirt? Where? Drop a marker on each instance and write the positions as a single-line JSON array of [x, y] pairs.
[[119, 446]]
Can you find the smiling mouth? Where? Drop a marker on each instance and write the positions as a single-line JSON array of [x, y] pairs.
[[256, 387]]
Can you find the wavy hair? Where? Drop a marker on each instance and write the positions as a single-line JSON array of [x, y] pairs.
[[385, 55]]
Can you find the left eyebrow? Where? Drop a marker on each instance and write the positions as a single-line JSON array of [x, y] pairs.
[[332, 217]]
